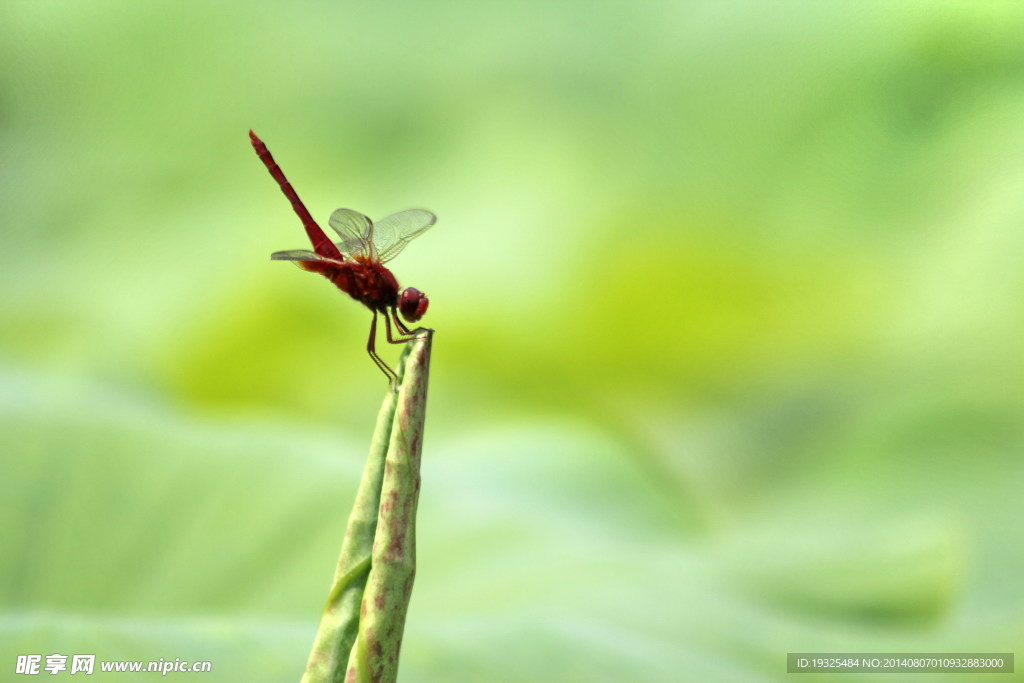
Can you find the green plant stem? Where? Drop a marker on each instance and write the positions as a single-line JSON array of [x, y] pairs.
[[360, 632]]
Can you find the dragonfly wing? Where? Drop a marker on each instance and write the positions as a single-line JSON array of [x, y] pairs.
[[296, 255], [356, 232], [391, 234], [301, 255]]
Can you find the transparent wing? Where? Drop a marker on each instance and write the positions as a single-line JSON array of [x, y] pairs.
[[296, 255], [391, 234], [300, 255], [356, 232]]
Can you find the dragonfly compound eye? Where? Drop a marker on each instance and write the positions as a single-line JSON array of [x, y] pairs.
[[412, 304]]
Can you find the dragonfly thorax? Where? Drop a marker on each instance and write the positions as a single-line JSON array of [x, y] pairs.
[[370, 283]]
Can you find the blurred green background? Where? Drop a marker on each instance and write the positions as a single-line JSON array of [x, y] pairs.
[[728, 308]]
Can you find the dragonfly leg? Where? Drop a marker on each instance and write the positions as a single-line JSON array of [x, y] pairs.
[[371, 347], [402, 329]]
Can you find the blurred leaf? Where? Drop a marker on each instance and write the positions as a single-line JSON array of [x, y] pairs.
[[148, 534]]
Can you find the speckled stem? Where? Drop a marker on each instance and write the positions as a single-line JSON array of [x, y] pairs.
[[360, 632], [374, 658]]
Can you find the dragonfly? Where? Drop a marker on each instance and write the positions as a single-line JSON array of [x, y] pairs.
[[355, 265]]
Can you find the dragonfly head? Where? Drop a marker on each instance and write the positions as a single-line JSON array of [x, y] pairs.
[[412, 304]]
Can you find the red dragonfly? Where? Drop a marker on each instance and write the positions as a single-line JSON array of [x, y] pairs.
[[356, 264]]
